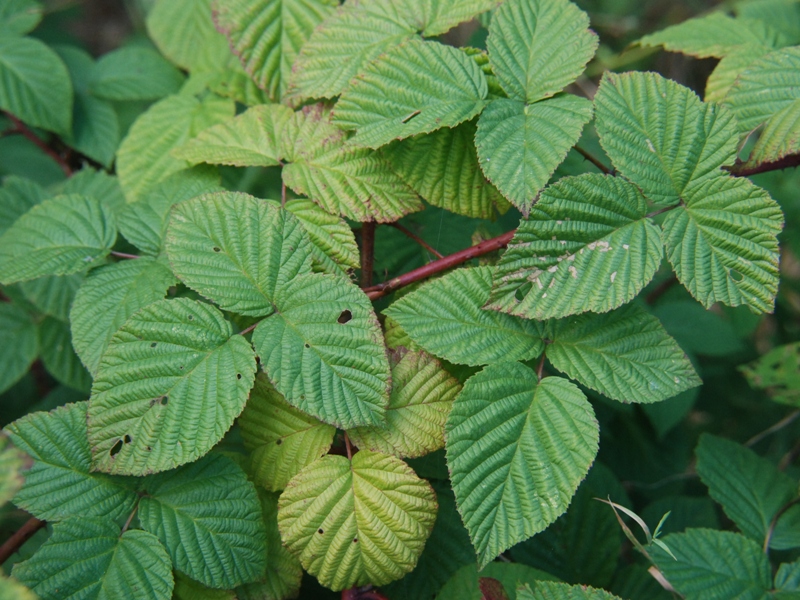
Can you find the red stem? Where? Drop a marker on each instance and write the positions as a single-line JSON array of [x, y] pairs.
[[417, 239], [28, 133], [739, 169], [367, 252], [22, 535], [438, 266], [123, 255]]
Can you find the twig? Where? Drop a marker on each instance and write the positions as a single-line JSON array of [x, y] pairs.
[[348, 447], [438, 266], [22, 535], [540, 368], [789, 457], [787, 420], [283, 194], [130, 518], [367, 252], [28, 133], [741, 170], [417, 239], [774, 522], [664, 209], [123, 255], [249, 329], [595, 161]]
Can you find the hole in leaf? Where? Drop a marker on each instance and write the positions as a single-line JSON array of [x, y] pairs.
[[148, 448], [191, 317], [216, 249], [278, 442], [345, 317], [307, 346], [302, 396], [355, 540], [116, 448], [522, 291], [127, 439], [153, 345], [736, 276], [320, 531], [164, 400], [411, 116], [238, 376]]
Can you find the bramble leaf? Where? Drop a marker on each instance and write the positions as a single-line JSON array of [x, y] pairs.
[[417, 87], [60, 236], [517, 449], [59, 357], [777, 372], [551, 590], [323, 350], [170, 384], [108, 297], [445, 317], [625, 354], [333, 245], [17, 196], [356, 522], [280, 438], [780, 138], [134, 73], [19, 344], [18, 17], [60, 483], [422, 395], [728, 70], [208, 516], [587, 245], [236, 250]]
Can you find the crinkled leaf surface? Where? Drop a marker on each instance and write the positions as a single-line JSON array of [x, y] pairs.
[[134, 73], [778, 372], [715, 564], [416, 87], [87, 558], [187, 588], [537, 47], [333, 245], [60, 483], [34, 83], [715, 35], [323, 350], [144, 157], [723, 243], [57, 237], [517, 449], [445, 317], [625, 354], [108, 297], [59, 357], [250, 139], [780, 138], [422, 395], [660, 135], [17, 196], [12, 462], [268, 34], [53, 295], [280, 438], [208, 516], [354, 182], [19, 16], [729, 68], [169, 386], [551, 590], [520, 145], [587, 245], [101, 186], [358, 522], [236, 250], [442, 167], [750, 489], [19, 344]]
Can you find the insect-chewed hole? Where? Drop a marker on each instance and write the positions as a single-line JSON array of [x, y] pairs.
[[278, 441], [736, 276], [153, 345], [345, 317], [216, 249], [307, 346], [319, 531], [522, 291], [164, 400], [191, 317], [355, 540], [238, 376], [127, 439], [116, 448]]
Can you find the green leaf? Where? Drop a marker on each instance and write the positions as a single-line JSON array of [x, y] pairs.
[[716, 35], [18, 17], [416, 87], [108, 297], [354, 182], [34, 84], [550, 590], [209, 518], [19, 344], [144, 223], [284, 572], [442, 167], [187, 588], [715, 564], [527, 48], [101, 186], [625, 354], [788, 577], [333, 245], [729, 68], [517, 449], [356, 522], [777, 372], [134, 73], [445, 317], [230, 80], [780, 137], [12, 462], [268, 34], [58, 355], [723, 243], [60, 483], [53, 295], [660, 135], [587, 245], [171, 359], [464, 585], [184, 32], [17, 196], [422, 395], [520, 145], [779, 14], [57, 237], [750, 489], [236, 250], [144, 157], [11, 590], [280, 438], [89, 558], [766, 87], [323, 350], [250, 139]]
